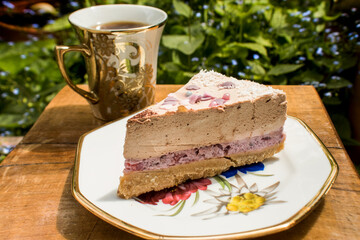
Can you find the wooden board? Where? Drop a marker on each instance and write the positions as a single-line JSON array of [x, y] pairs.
[[35, 193]]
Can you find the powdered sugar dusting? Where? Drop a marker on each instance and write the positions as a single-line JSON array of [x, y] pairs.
[[209, 85]]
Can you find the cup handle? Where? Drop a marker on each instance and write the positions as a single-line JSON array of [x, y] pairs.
[[60, 52]]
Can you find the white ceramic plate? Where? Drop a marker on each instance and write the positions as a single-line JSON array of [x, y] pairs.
[[292, 183]]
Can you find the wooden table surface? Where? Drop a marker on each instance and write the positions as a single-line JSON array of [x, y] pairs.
[[35, 187]]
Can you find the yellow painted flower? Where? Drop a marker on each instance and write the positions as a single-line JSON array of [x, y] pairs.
[[245, 203], [238, 198]]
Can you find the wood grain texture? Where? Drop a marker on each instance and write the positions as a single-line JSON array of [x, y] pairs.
[[35, 186]]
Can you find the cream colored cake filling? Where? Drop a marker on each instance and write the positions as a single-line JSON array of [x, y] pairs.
[[214, 151]]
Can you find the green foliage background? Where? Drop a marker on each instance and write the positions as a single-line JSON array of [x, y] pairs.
[[268, 41]]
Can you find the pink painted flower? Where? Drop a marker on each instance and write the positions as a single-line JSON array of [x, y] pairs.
[[173, 195]]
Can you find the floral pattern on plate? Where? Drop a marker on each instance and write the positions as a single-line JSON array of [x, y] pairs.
[[229, 199]]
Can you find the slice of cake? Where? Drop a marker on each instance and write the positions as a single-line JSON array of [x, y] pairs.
[[212, 123]]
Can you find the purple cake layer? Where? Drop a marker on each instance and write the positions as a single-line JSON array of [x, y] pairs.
[[213, 151]]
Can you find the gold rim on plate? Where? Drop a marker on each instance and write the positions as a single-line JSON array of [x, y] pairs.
[[292, 221]]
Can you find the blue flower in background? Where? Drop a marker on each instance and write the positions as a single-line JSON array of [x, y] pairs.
[[244, 169]]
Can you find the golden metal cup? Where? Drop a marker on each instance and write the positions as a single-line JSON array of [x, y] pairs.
[[121, 63]]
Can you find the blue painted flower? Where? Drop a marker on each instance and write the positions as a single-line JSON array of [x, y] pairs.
[[244, 169]]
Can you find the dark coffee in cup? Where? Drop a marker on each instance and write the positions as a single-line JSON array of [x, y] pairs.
[[119, 25]]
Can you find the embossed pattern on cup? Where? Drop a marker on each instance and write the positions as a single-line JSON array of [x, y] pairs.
[[121, 63]]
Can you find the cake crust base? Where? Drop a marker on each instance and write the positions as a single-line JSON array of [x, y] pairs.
[[136, 183]]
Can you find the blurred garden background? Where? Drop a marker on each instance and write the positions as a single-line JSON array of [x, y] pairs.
[[312, 42]]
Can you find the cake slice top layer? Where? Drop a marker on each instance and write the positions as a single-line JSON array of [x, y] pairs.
[[210, 109], [209, 89]]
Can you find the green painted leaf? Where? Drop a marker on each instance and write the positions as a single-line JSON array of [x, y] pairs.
[[227, 184], [197, 196], [223, 182], [182, 8], [176, 206], [179, 209], [280, 69], [220, 181]]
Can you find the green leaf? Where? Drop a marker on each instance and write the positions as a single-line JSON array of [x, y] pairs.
[[26, 50], [288, 51], [10, 120], [342, 125], [260, 40], [183, 43], [278, 80], [332, 18], [195, 29], [320, 27], [176, 58], [59, 24], [15, 63], [351, 142], [280, 69], [219, 8], [256, 68], [182, 8], [251, 46], [347, 62], [307, 76], [320, 11], [331, 101], [278, 19], [339, 82], [170, 66]]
